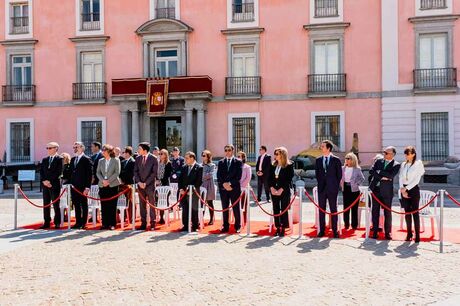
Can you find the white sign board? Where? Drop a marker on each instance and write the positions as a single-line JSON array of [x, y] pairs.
[[26, 175]]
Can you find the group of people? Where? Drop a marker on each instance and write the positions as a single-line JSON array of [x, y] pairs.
[[333, 177], [114, 171]]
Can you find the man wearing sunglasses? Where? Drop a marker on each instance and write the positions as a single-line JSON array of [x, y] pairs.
[[229, 171], [50, 172], [382, 175]]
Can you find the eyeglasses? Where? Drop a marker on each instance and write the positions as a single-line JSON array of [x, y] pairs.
[[409, 153], [160, 153], [240, 157], [276, 153], [49, 148], [228, 150], [385, 153], [203, 156], [347, 158], [75, 147]]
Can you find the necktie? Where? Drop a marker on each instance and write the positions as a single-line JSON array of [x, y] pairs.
[[385, 164], [326, 163], [189, 170], [77, 160], [144, 160], [229, 161], [50, 161]]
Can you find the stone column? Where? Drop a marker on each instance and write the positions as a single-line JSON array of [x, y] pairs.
[[200, 131], [188, 129], [146, 59], [135, 127], [124, 128]]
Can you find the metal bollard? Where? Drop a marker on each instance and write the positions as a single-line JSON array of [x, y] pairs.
[[133, 199], [16, 186], [248, 211], [190, 194], [300, 212], [441, 222], [367, 195], [69, 199]]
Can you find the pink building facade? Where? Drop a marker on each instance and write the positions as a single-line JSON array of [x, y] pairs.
[[248, 72]]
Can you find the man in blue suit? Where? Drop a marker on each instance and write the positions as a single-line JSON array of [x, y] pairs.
[[328, 174], [229, 172]]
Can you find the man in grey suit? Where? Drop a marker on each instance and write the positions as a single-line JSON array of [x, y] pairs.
[[145, 172]]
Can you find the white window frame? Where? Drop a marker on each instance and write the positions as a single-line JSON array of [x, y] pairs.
[[22, 66], [78, 31], [341, 114], [434, 12], [8, 11], [339, 54], [319, 20], [447, 50], [434, 109], [166, 60], [82, 63], [153, 9], [244, 56], [231, 116], [8, 137], [104, 126], [236, 25]]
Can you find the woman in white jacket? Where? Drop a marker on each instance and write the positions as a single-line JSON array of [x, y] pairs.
[[410, 174]]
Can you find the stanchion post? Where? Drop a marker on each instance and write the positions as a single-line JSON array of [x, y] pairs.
[[441, 222], [69, 201], [133, 199], [366, 192], [16, 186], [190, 190], [248, 211], [300, 211]]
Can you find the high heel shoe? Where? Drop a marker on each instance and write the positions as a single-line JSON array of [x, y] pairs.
[[417, 239], [409, 237], [277, 233]]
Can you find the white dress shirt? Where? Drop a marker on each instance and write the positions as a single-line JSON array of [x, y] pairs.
[[410, 175]]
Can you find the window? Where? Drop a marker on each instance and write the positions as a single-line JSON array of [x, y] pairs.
[[91, 67], [244, 136], [91, 131], [166, 63], [432, 4], [326, 77], [21, 70], [243, 10], [20, 18], [244, 80], [327, 127], [326, 57], [90, 15], [243, 61], [20, 142], [435, 135], [326, 8], [165, 9]]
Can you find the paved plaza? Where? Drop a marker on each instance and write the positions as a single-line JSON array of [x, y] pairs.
[[152, 268]]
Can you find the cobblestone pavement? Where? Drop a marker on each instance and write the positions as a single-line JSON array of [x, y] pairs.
[[143, 268]]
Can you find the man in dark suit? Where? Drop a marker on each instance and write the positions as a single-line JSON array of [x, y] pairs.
[[191, 174], [127, 178], [229, 170], [97, 155], [382, 175], [263, 164], [328, 174], [145, 172], [81, 169], [50, 172]]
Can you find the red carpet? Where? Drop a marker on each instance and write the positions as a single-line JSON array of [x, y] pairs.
[[261, 228]]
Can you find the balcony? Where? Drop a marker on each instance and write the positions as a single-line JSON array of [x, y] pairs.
[[90, 22], [243, 87], [18, 95], [19, 25], [243, 12], [165, 12], [432, 4], [332, 85], [90, 92], [326, 8], [435, 80]]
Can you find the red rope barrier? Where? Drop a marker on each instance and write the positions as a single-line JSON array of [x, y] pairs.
[[268, 213], [98, 199], [452, 199], [335, 213], [403, 213], [41, 206], [219, 210], [161, 209]]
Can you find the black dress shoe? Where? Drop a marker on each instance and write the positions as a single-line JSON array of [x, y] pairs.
[[184, 229], [238, 230], [211, 222], [320, 234], [336, 235], [224, 230], [374, 236], [409, 237], [83, 227], [57, 227], [388, 237], [417, 239], [282, 232], [162, 221], [141, 228], [44, 226], [76, 226]]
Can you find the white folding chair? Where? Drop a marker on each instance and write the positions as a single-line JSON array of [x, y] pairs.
[[122, 205], [63, 206], [362, 209], [94, 205], [339, 208], [272, 219], [241, 206], [430, 211], [163, 195], [173, 199], [201, 206]]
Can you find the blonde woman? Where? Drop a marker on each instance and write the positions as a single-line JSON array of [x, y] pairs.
[[352, 178], [66, 172], [164, 174], [280, 181]]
